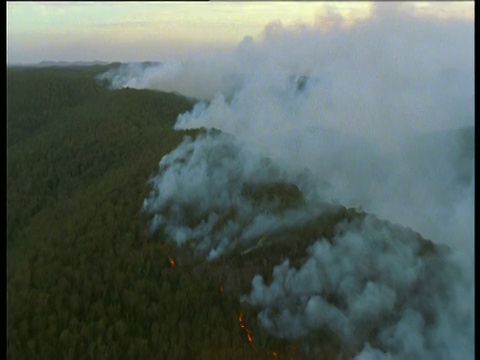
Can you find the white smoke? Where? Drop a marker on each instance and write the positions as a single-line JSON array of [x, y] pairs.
[[358, 116], [345, 104], [128, 75], [205, 193], [371, 286]]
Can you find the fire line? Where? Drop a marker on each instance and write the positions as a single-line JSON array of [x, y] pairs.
[[244, 328]]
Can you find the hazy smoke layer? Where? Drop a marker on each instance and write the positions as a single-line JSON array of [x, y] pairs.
[[371, 286], [359, 116]]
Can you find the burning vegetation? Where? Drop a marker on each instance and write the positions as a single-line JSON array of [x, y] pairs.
[[244, 328]]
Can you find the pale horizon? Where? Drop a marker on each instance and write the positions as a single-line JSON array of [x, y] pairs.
[[130, 32]]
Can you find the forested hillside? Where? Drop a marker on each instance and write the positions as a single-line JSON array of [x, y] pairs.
[[83, 279], [86, 279]]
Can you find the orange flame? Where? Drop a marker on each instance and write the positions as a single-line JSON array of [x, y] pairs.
[[275, 354], [244, 328], [172, 261]]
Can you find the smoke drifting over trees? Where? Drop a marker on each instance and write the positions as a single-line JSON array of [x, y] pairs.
[[377, 115]]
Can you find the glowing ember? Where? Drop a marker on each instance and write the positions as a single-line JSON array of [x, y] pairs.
[[275, 354], [221, 288], [172, 261], [244, 328]]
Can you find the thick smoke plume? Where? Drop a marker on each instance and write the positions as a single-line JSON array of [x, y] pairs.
[[375, 284], [348, 104], [211, 192], [378, 115]]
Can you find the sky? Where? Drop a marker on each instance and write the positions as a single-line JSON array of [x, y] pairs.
[[154, 31]]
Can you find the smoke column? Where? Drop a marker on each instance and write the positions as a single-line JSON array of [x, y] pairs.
[[378, 115]]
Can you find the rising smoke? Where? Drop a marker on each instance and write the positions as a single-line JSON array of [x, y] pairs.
[[378, 115], [372, 286], [210, 192]]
